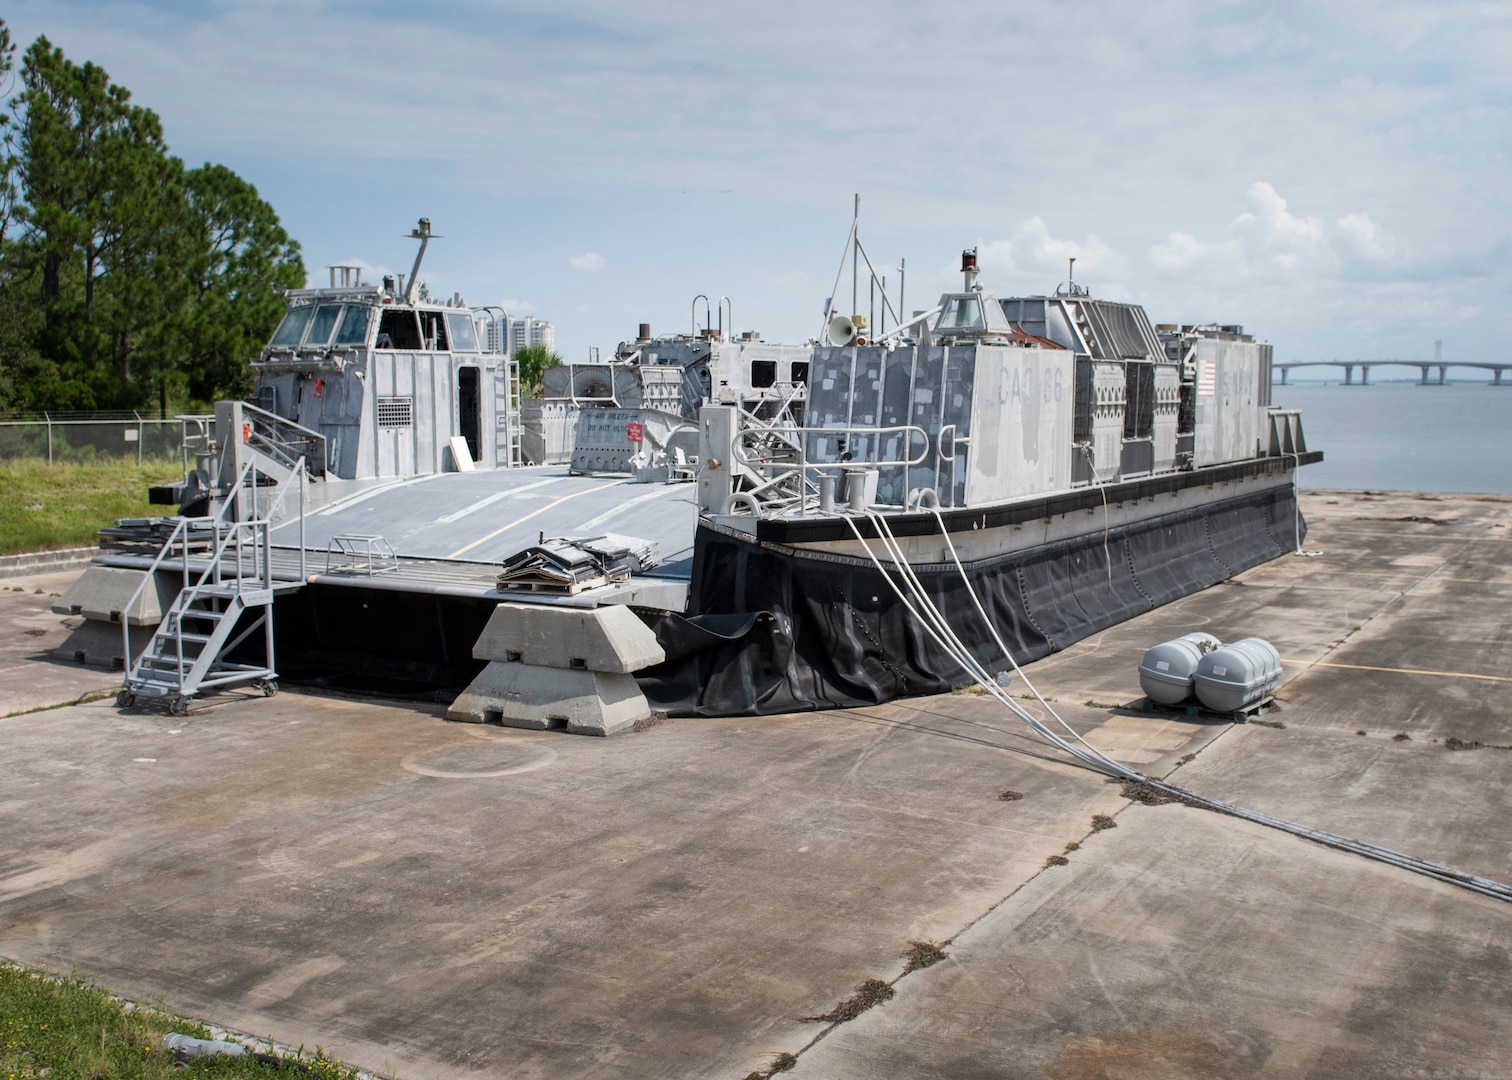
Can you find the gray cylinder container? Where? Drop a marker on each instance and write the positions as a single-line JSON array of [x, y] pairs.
[[1165, 673], [1237, 675]]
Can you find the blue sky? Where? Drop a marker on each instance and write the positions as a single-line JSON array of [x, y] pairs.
[[1332, 175]]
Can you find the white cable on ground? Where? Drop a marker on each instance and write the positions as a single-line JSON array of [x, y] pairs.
[[934, 624]]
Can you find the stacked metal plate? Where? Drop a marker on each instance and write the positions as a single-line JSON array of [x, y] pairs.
[[569, 564]]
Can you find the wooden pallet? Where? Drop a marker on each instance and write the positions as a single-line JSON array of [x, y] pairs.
[[553, 588], [1193, 710]]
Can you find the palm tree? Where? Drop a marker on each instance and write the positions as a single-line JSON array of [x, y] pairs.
[[533, 361]]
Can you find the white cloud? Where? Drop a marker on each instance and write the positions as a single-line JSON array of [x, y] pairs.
[[590, 262], [1274, 223], [1356, 236], [1031, 257], [1177, 252], [1270, 242], [370, 273]]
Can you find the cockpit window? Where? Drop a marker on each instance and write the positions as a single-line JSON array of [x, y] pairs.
[[354, 325], [432, 330], [321, 326], [997, 322], [398, 330], [464, 337], [961, 313], [292, 328]]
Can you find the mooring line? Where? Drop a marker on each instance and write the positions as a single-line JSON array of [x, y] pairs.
[[938, 629]]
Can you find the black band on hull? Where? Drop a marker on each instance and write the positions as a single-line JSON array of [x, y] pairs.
[[1022, 511], [779, 630]]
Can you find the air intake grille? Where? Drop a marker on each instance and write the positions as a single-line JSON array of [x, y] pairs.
[[395, 412]]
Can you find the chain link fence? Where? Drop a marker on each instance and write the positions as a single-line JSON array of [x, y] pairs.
[[87, 437]]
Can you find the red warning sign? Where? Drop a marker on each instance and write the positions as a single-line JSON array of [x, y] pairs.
[[634, 431]]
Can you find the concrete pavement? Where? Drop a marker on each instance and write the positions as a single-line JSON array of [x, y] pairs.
[[431, 899]]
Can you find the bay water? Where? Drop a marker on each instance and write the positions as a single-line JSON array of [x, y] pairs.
[[1405, 437]]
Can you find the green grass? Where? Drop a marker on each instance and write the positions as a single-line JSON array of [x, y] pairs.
[[69, 1029], [45, 507]]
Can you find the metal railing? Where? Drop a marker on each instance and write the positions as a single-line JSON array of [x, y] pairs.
[[282, 440], [789, 480], [84, 437], [247, 546], [364, 553], [222, 532]]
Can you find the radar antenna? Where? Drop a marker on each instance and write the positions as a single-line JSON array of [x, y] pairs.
[[421, 232]]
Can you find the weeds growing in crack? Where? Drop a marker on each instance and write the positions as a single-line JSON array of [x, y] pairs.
[[1101, 822], [781, 1063], [1146, 794], [923, 954], [870, 993], [1451, 743]]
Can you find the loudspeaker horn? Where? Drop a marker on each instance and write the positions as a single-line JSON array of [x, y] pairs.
[[842, 331]]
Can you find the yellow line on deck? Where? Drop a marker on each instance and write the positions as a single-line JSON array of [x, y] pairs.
[[520, 521], [1402, 670]]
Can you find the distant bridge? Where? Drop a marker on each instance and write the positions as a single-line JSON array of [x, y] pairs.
[[1365, 366]]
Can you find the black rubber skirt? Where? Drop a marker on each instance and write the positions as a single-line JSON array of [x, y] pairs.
[[780, 629]]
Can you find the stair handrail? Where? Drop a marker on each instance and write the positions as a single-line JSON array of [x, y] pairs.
[[212, 574], [179, 531], [274, 443], [277, 504]]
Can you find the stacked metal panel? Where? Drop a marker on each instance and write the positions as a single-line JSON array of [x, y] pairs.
[[1167, 414], [997, 420], [928, 387], [1228, 410]]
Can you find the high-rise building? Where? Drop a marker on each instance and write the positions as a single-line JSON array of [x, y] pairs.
[[529, 331], [542, 333]]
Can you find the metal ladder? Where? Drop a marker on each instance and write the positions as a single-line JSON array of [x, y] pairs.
[[187, 651], [507, 405]]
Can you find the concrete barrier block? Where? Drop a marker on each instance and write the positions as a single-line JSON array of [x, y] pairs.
[[98, 644], [608, 639], [576, 701], [102, 592]]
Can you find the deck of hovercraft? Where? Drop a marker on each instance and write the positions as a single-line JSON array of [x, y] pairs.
[[449, 532]]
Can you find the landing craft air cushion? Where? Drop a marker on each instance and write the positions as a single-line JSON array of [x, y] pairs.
[[1054, 463]]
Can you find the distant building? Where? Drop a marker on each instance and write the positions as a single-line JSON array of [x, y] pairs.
[[529, 331]]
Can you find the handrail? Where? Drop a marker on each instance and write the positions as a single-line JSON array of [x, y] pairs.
[[277, 504], [802, 446], [179, 530], [795, 439], [283, 492], [275, 446], [261, 559]]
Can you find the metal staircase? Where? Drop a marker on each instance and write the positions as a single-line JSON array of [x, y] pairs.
[[188, 652]]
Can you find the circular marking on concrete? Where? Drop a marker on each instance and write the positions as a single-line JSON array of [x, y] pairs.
[[523, 757]]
